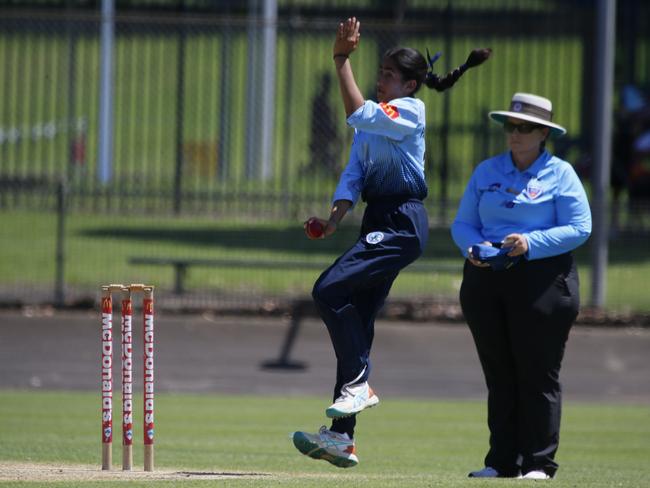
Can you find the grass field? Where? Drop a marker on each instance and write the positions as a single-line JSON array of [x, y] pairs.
[[97, 250], [400, 443], [98, 247]]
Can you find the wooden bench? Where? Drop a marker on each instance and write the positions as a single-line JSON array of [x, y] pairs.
[[181, 265], [299, 307]]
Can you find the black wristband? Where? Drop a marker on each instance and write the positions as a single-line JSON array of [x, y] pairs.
[[341, 56]]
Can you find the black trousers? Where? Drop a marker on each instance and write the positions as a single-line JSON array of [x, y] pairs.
[[520, 320]]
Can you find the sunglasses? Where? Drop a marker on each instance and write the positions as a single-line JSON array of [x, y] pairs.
[[525, 128]]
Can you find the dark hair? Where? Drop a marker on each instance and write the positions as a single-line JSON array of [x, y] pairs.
[[413, 66], [410, 63]]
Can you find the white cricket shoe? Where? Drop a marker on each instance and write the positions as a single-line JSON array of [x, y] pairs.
[[333, 447], [353, 399], [487, 472], [536, 475]]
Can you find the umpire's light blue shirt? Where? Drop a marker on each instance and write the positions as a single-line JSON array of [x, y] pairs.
[[387, 154], [546, 203]]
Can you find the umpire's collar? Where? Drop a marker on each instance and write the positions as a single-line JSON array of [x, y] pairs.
[[509, 166]]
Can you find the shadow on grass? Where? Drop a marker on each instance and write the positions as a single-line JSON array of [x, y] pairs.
[[625, 249], [281, 239]]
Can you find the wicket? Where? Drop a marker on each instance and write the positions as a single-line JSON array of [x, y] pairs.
[[127, 374]]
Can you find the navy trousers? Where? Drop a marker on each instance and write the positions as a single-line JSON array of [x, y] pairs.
[[520, 320], [350, 293]]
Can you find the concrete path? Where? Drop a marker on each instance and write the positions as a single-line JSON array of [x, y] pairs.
[[223, 354]]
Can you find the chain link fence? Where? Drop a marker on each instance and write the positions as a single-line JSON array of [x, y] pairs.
[[201, 169]]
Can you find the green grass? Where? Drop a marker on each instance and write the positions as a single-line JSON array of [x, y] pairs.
[[98, 247], [401, 443], [97, 250]]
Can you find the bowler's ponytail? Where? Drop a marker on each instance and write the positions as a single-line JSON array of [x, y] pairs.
[[412, 65], [432, 80]]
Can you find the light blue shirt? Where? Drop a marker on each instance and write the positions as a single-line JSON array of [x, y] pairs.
[[546, 203], [387, 154]]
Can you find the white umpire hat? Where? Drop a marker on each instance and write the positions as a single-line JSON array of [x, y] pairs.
[[531, 108]]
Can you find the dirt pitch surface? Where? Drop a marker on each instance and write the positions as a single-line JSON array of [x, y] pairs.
[[214, 354], [49, 473], [26, 472]]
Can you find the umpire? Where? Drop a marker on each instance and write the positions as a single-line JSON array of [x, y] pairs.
[[530, 209]]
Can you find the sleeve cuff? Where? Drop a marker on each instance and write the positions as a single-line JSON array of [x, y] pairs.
[[346, 195], [356, 115]]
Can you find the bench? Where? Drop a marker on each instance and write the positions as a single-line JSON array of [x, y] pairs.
[[299, 307], [181, 265]]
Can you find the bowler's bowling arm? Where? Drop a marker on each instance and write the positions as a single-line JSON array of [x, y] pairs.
[[339, 209]]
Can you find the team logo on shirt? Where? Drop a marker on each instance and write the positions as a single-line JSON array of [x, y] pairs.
[[534, 188], [390, 110], [374, 237]]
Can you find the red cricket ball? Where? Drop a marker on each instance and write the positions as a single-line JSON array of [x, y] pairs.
[[314, 228]]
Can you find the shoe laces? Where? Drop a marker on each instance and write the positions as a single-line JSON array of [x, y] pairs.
[[347, 394], [337, 436], [344, 396]]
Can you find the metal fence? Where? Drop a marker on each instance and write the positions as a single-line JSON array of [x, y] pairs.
[[192, 135]]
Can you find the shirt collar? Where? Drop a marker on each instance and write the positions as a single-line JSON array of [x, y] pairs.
[[509, 165]]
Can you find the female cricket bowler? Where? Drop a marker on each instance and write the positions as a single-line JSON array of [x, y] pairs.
[[386, 168]]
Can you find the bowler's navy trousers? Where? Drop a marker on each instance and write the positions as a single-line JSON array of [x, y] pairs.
[[350, 293]]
